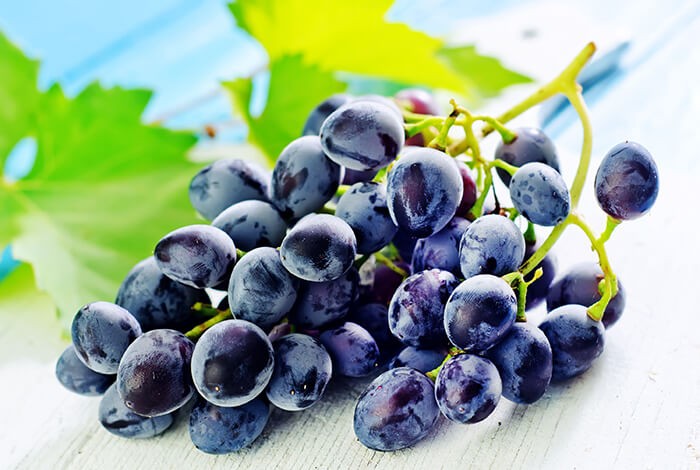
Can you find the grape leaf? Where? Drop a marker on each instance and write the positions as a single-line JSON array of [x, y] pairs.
[[104, 188]]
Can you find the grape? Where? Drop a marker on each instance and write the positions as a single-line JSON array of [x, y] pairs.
[[576, 340], [396, 410], [155, 300], [579, 285], [278, 331], [388, 102], [441, 250], [469, 196], [261, 290], [524, 360], [219, 430], [313, 123], [480, 312], [540, 194], [353, 350], [232, 363], [101, 332], [116, 418], [416, 312], [386, 280], [492, 244], [153, 378], [304, 178], [321, 303], [320, 247], [423, 360], [405, 243], [363, 135], [627, 181], [226, 182], [302, 371], [530, 145], [196, 255], [423, 191], [467, 388], [374, 318], [252, 224], [419, 101], [364, 208], [351, 177], [538, 290], [77, 377]]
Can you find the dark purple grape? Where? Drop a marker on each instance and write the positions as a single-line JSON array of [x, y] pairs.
[[579, 285], [419, 101], [364, 208], [154, 374], [155, 300], [261, 290], [524, 360], [116, 418], [226, 182], [232, 363], [467, 388], [416, 312], [351, 177], [538, 290], [492, 244], [363, 135], [385, 283], [101, 332], [321, 303], [627, 181], [388, 102], [302, 370], [423, 191], [441, 250], [252, 224], [353, 350], [576, 340], [197, 255], [396, 410], [540, 194], [480, 312], [405, 243], [530, 145], [313, 123], [469, 195], [78, 378], [320, 247], [374, 318], [423, 360], [304, 178], [218, 430]]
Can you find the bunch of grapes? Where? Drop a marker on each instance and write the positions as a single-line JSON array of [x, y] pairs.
[[376, 244]]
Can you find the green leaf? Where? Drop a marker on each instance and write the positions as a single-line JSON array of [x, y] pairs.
[[104, 189], [287, 108], [484, 76]]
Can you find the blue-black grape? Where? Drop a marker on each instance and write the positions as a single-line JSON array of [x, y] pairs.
[[423, 191], [441, 250], [480, 312], [363, 135], [405, 243], [155, 300], [576, 340], [197, 255], [540, 194], [627, 181], [492, 244], [524, 360], [302, 370], [374, 318], [469, 191], [538, 290], [423, 360], [320, 247], [232, 363], [77, 377], [226, 182], [252, 224], [579, 285], [396, 410], [530, 145], [388, 102], [416, 312], [351, 177], [153, 378], [467, 388], [261, 290], [313, 123], [321, 303], [101, 332], [353, 350], [384, 283], [364, 208], [116, 418], [218, 430], [303, 179]]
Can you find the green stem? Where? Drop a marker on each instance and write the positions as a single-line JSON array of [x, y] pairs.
[[498, 163], [440, 141], [342, 189], [530, 235], [415, 128], [381, 258], [240, 253], [199, 330], [205, 310], [479, 204], [453, 351], [522, 300], [610, 226], [507, 135], [360, 261], [329, 208], [574, 96]]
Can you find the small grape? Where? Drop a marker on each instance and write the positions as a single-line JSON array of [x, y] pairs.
[[441, 250], [423, 360], [313, 123], [73, 374], [252, 224], [530, 145], [540, 194], [119, 420], [492, 244], [419, 101], [353, 350], [321, 303]]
